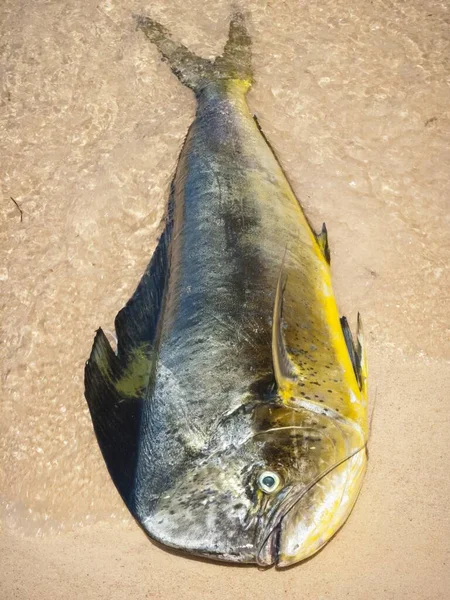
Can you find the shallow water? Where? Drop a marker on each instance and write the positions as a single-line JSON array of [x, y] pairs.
[[354, 98]]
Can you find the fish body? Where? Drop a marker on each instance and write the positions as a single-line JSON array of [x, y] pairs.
[[233, 417]]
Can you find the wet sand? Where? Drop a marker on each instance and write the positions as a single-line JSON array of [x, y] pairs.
[[354, 98]]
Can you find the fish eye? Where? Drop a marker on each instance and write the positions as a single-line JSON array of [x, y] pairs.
[[268, 481]]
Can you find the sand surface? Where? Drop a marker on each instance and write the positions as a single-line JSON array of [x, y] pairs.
[[354, 97]]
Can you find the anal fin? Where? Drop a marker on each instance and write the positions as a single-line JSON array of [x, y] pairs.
[[357, 353], [322, 240]]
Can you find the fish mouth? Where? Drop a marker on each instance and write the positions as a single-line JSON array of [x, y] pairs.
[[269, 538], [305, 518]]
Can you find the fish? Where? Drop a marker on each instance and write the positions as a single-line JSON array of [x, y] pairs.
[[232, 415]]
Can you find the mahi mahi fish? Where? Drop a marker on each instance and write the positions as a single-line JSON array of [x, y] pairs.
[[232, 416]]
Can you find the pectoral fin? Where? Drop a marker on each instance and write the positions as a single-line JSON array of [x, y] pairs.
[[283, 367]]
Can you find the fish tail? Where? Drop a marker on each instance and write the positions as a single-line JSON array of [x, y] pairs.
[[196, 72]]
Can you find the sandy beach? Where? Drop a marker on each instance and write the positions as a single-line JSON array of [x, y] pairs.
[[354, 97]]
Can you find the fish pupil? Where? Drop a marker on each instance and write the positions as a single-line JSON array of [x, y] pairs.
[[268, 481]]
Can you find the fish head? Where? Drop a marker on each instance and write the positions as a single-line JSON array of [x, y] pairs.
[[316, 464], [275, 495], [212, 507]]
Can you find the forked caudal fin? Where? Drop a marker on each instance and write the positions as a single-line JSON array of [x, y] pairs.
[[196, 72]]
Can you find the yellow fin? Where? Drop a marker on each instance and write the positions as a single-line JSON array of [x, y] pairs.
[[283, 367]]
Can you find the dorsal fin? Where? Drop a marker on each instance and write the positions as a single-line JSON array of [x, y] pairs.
[[115, 416], [137, 322], [115, 384], [284, 370], [352, 351], [322, 240]]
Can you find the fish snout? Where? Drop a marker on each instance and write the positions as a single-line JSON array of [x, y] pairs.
[[308, 517]]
